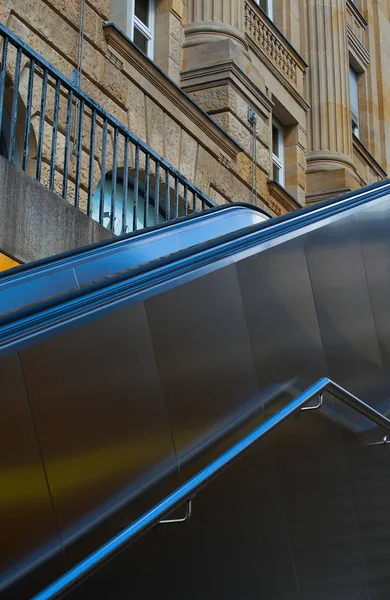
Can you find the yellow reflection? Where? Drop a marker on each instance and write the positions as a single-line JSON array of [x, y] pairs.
[[7, 263]]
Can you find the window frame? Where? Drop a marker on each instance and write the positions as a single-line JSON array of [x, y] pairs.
[[123, 15], [354, 115], [278, 161], [270, 8]]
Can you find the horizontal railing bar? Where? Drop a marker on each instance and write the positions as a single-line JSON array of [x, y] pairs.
[[79, 93], [187, 490]]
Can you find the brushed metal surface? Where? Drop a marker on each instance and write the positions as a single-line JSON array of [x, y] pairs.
[[204, 358], [345, 313], [282, 321], [102, 424], [29, 536]]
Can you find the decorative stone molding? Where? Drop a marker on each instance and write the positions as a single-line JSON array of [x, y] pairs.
[[282, 197], [272, 44], [356, 34], [368, 169]]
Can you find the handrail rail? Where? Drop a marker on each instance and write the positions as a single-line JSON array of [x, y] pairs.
[[95, 126], [190, 487]]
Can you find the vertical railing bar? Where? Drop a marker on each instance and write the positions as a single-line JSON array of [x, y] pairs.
[[15, 101], [67, 144], [125, 185], [91, 162], [27, 128], [136, 187], [176, 213], [79, 153], [103, 170], [54, 134], [114, 173], [146, 191], [195, 197], [2, 78], [167, 197], [41, 124], [185, 199], [204, 204], [157, 194]]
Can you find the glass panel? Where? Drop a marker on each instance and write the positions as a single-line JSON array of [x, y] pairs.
[[140, 40], [275, 172], [264, 5], [141, 10], [119, 204], [353, 87], [275, 141]]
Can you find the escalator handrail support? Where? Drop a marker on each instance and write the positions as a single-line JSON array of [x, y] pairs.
[[203, 477]]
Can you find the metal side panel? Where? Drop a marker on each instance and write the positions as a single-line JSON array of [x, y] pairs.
[[29, 536], [345, 314], [204, 359], [282, 321], [102, 424]]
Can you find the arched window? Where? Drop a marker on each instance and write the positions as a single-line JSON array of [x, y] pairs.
[[119, 199]]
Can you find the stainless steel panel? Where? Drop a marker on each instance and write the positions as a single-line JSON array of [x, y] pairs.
[[28, 530], [204, 359], [102, 424], [282, 321], [344, 312]]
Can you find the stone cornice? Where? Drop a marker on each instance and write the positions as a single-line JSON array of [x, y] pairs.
[[119, 42], [282, 196], [352, 8], [367, 158], [356, 26]]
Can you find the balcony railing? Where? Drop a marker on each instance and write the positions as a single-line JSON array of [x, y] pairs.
[[56, 133], [272, 45]]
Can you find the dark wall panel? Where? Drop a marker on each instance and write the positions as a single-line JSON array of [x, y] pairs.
[[282, 321], [102, 423], [204, 358], [27, 524]]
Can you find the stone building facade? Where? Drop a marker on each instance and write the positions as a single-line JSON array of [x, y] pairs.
[[275, 102]]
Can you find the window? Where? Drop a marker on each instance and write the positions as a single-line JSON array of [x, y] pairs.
[[267, 6], [119, 197], [136, 19], [277, 152], [354, 100]]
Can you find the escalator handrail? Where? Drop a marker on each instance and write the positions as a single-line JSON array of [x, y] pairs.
[[187, 490], [33, 318]]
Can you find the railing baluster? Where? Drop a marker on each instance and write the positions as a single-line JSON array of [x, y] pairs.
[[54, 134], [167, 197], [91, 162], [79, 153], [3, 73], [15, 102], [41, 124], [136, 186], [157, 194], [103, 170], [27, 128], [125, 185], [114, 174], [147, 189], [67, 144], [176, 210], [185, 199], [195, 197]]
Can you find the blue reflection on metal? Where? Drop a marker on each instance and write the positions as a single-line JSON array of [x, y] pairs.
[[188, 489]]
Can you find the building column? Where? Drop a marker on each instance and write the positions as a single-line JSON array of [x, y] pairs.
[[212, 20], [329, 141]]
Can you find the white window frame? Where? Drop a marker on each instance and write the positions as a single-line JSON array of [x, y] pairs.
[[270, 8], [279, 160], [123, 15], [354, 75]]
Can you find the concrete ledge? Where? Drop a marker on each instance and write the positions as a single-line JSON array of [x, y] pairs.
[[36, 223]]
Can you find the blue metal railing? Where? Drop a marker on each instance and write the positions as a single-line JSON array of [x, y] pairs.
[[75, 147], [189, 488]]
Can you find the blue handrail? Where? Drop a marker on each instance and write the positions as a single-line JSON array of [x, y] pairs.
[[188, 489]]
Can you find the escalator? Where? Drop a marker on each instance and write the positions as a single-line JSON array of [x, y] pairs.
[[129, 368]]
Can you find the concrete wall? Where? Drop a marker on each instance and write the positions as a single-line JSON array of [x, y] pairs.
[[36, 223]]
